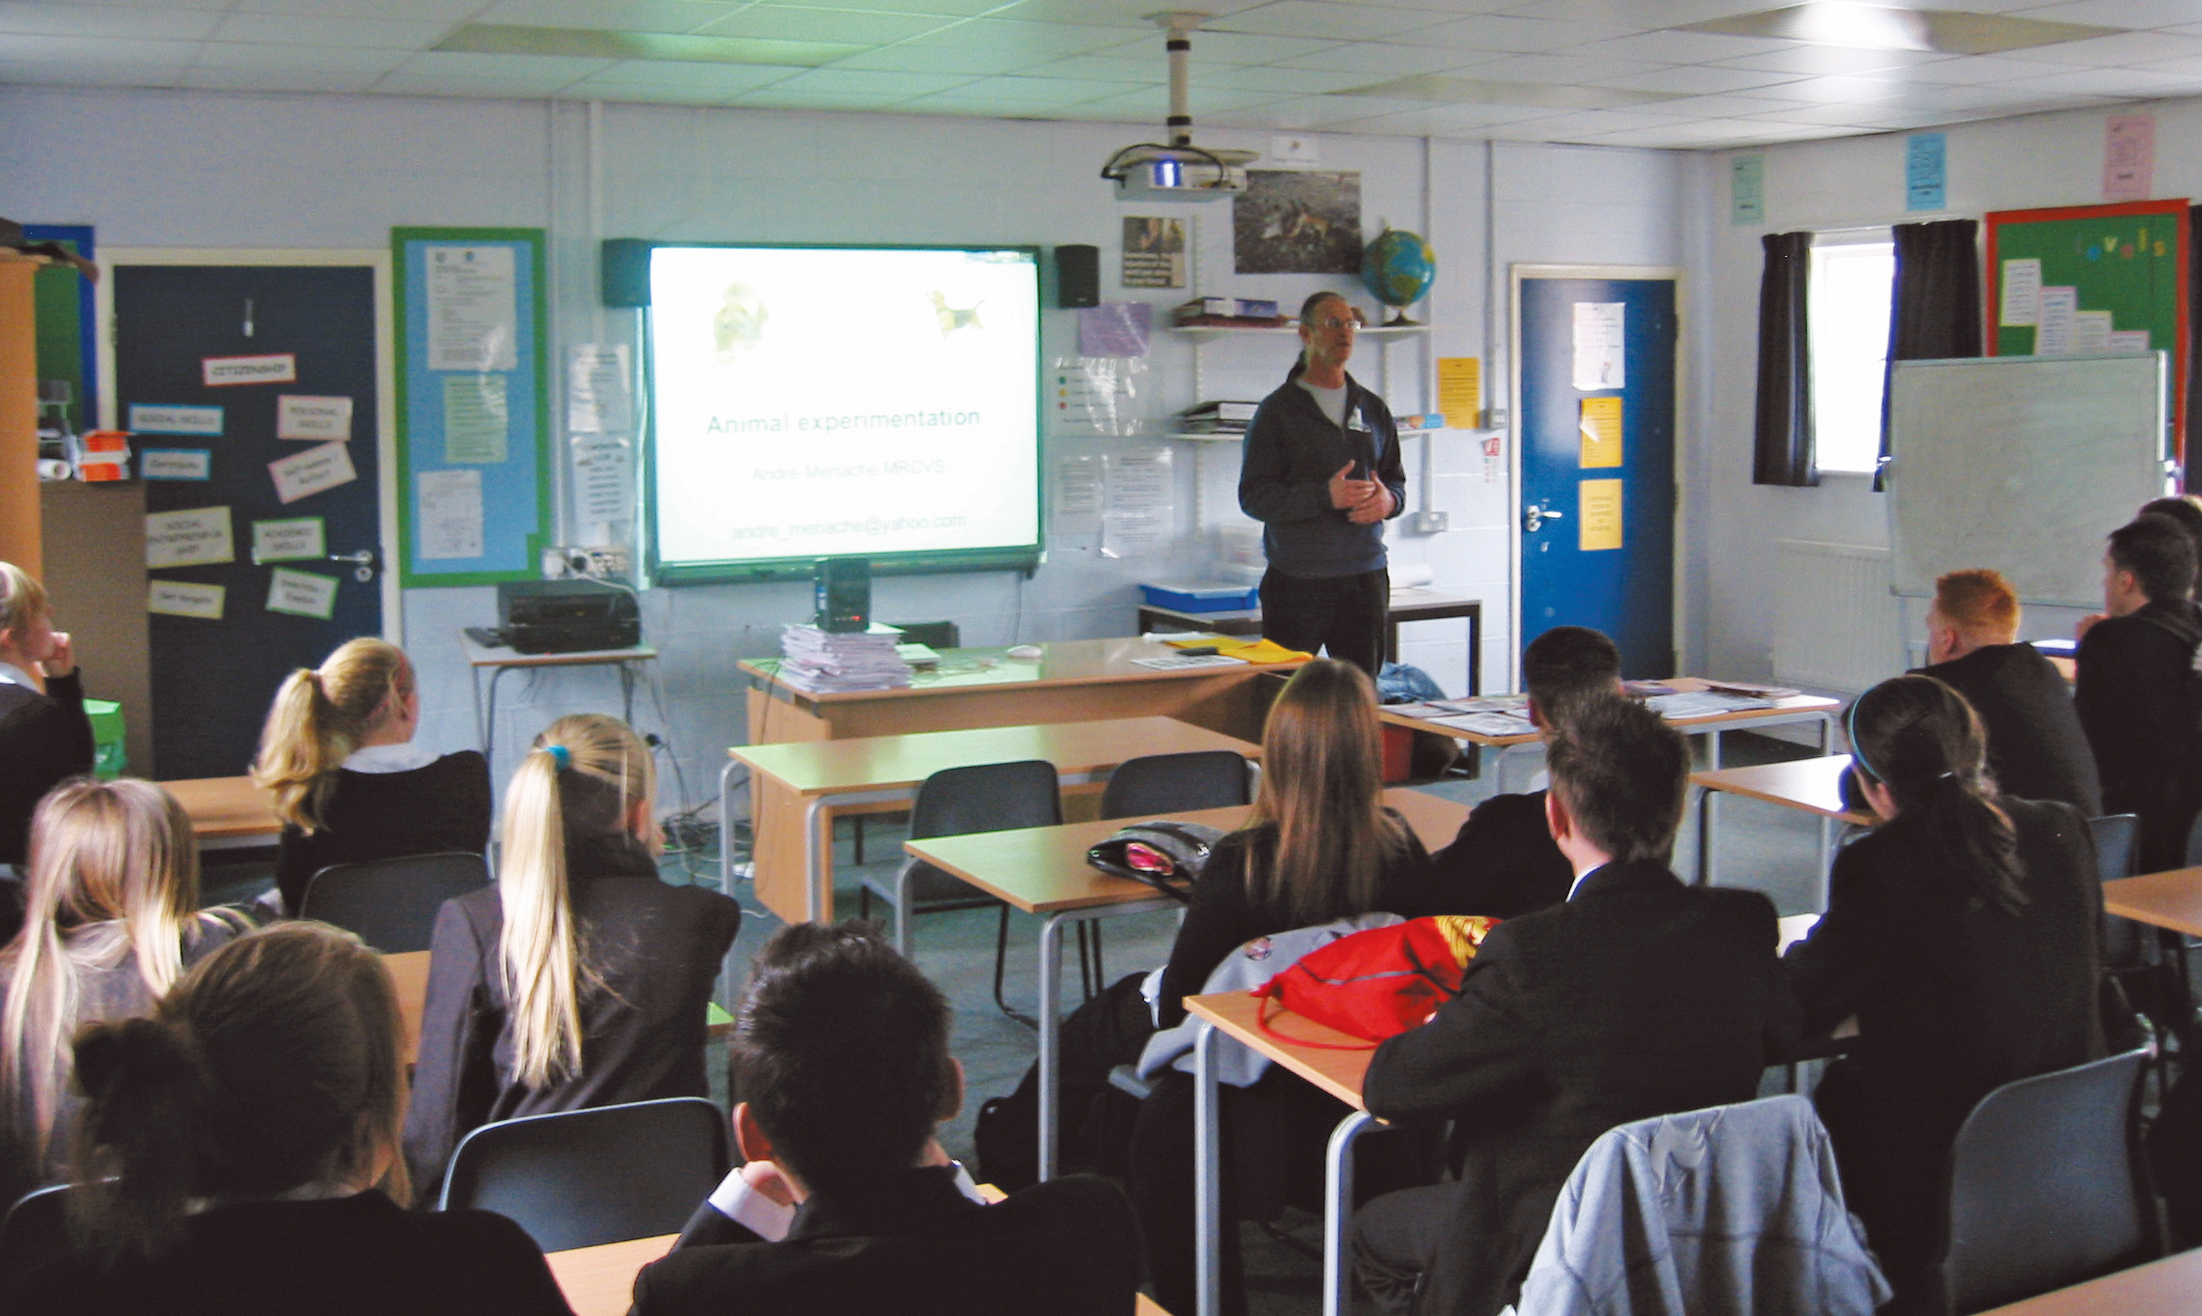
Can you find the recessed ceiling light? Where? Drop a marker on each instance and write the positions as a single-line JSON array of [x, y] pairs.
[[1876, 27], [1449, 90], [599, 43]]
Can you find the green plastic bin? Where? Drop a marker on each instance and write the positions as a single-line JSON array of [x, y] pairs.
[[108, 758]]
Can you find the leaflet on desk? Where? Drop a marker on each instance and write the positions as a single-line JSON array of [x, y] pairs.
[[1489, 724], [1673, 707]]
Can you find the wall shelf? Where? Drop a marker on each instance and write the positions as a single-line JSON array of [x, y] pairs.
[[1239, 436], [1227, 331]]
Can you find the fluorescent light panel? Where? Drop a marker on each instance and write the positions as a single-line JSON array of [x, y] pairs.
[[1875, 27], [597, 43]]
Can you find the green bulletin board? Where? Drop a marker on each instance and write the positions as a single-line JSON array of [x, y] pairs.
[[2127, 260]]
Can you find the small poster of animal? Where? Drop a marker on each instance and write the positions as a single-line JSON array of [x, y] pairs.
[[1297, 221], [1154, 252]]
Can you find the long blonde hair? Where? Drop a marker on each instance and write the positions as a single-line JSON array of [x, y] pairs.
[[114, 876], [22, 598], [273, 1065], [1323, 790], [585, 774], [319, 717]]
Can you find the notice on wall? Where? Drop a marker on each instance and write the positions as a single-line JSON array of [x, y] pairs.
[[197, 536], [306, 473], [1600, 329], [295, 539], [1094, 396], [475, 419], [2129, 340], [1154, 252], [1138, 498], [473, 309], [2018, 302], [2091, 332], [2129, 157], [603, 477], [1077, 506], [1115, 329], [176, 464], [1460, 390], [1601, 432], [302, 594], [179, 598], [599, 399], [1926, 171], [151, 418], [2056, 331], [229, 371], [1747, 189], [450, 523], [317, 420], [1601, 509]]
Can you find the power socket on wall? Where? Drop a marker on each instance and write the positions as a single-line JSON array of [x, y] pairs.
[[1430, 523]]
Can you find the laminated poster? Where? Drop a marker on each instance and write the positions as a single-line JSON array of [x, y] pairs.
[[150, 418], [302, 594], [2019, 302], [475, 420], [176, 464], [297, 539], [304, 474], [1601, 431], [193, 537], [450, 520], [268, 368], [313, 419], [1460, 390], [179, 598], [1600, 328], [1601, 523], [473, 309]]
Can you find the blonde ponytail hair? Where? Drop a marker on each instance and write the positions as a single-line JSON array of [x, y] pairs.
[[319, 717], [22, 598], [114, 876], [585, 774]]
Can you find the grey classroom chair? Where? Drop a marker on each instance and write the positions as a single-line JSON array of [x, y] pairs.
[[937, 634], [987, 797], [392, 903], [1174, 783], [578, 1178], [2047, 1185], [34, 1233]]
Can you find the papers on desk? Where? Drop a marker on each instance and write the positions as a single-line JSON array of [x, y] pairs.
[[828, 662], [1677, 707], [1489, 724], [1511, 705], [1180, 662]]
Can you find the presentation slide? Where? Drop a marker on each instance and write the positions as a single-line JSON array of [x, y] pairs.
[[815, 402]]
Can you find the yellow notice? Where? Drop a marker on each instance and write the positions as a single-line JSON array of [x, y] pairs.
[[1601, 512], [1460, 391], [1601, 432]]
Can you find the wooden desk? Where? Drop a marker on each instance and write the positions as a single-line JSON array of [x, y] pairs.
[[227, 812], [499, 659], [600, 1280], [1409, 604], [2161, 1288], [1339, 1073], [795, 789], [2171, 899], [1043, 870], [1795, 708], [409, 974], [1814, 786], [1072, 681]]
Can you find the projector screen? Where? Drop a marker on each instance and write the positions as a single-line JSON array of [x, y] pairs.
[[809, 402]]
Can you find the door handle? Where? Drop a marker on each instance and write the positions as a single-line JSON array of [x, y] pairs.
[[363, 563], [1536, 514]]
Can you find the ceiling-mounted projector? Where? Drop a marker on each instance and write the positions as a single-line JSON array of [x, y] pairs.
[[1179, 171]]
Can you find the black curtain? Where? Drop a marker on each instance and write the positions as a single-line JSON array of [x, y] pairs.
[[1935, 313], [1781, 445]]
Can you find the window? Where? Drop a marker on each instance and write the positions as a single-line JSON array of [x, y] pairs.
[[1852, 283]]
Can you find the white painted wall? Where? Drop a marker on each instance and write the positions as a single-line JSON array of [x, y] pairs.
[[209, 169], [2007, 164]]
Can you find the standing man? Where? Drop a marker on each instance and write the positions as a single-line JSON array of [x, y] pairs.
[[1322, 473]]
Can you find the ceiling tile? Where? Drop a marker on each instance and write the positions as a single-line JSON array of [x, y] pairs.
[[335, 59], [415, 11], [1724, 107], [629, 93], [88, 73], [512, 86], [1319, 111], [1382, 60], [938, 8], [1582, 123], [299, 79], [1833, 91], [772, 98], [1696, 135], [682, 75], [940, 59], [1833, 60], [1284, 81], [2190, 64], [1450, 120], [1149, 104], [1521, 35], [1562, 68], [1108, 68], [93, 50], [100, 21], [328, 30], [1028, 38], [676, 16], [872, 82], [2137, 84], [2119, 13], [1696, 78], [449, 65], [790, 24], [2125, 48], [1681, 47], [1975, 69], [1045, 91], [1213, 47], [1329, 21], [1884, 117]]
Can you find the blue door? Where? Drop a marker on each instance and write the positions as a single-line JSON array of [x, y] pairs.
[[213, 673], [1596, 420]]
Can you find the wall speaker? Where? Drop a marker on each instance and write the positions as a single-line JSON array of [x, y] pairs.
[[623, 272], [1077, 276]]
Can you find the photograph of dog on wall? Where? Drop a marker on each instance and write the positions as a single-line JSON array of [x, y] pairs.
[[1297, 221]]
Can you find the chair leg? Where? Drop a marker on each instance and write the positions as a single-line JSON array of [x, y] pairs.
[[1100, 974], [856, 830], [863, 902], [1001, 961]]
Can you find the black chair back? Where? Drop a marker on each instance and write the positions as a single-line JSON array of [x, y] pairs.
[[583, 1177], [35, 1232], [986, 797], [2047, 1187], [392, 903], [1173, 783]]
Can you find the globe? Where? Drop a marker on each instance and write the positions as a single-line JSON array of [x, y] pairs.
[[1398, 267]]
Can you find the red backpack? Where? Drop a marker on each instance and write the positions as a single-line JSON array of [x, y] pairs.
[[1379, 983]]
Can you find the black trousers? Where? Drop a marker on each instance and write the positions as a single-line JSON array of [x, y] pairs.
[[1343, 615]]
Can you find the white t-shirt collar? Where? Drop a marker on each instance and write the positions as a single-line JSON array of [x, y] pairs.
[[388, 758]]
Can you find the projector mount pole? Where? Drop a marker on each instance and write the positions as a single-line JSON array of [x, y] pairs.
[[1180, 25]]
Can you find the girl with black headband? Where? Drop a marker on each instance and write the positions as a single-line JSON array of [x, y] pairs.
[[1960, 934]]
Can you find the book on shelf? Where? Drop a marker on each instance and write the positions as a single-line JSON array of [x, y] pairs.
[[1243, 308], [1232, 322], [1222, 410]]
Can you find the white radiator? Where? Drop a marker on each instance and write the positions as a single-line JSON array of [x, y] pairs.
[[1839, 628]]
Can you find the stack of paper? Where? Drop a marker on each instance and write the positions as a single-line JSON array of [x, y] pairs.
[[825, 661]]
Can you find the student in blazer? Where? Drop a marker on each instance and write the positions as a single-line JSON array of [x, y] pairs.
[[45, 737], [846, 1202], [579, 979], [1637, 997]]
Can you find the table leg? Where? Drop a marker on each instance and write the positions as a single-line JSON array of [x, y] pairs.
[[726, 828], [1708, 863], [816, 866], [1051, 1028], [474, 687], [902, 905], [489, 721], [1207, 1175], [627, 693], [1704, 836], [1338, 1212], [1827, 825]]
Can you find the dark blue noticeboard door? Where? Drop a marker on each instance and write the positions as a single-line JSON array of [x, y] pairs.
[[1596, 420], [212, 677]]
